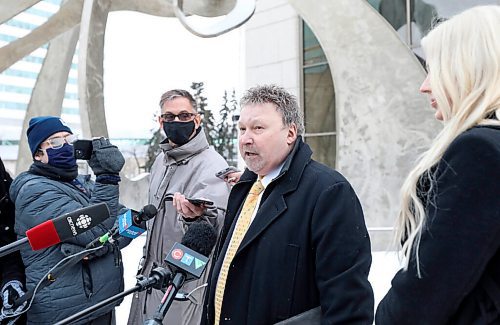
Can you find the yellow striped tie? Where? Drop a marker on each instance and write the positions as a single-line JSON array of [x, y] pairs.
[[239, 232]]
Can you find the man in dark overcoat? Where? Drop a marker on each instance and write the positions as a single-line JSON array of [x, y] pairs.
[[294, 240]]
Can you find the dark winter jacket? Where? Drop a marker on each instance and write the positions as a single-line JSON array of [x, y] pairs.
[[11, 266], [39, 198], [308, 246], [459, 250]]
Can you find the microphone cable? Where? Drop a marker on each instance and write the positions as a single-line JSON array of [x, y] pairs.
[[17, 314], [182, 296]]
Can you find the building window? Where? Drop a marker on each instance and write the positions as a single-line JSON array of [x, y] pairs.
[[410, 19], [318, 100], [413, 19]]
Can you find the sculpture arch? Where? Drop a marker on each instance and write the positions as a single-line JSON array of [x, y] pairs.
[[381, 127]]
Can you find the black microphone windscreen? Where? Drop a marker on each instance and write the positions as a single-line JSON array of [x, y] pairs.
[[149, 212], [200, 237]]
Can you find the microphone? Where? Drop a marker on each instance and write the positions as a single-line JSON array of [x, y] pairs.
[[64, 227], [131, 223], [190, 257], [187, 261], [199, 238], [146, 213]]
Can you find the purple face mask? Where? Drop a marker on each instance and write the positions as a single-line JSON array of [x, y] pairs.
[[63, 157]]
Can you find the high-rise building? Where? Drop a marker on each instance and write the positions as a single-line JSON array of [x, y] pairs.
[[17, 82]]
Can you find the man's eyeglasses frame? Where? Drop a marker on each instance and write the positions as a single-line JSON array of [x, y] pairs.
[[183, 117], [58, 142]]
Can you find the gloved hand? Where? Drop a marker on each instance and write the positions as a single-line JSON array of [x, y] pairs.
[[10, 292], [106, 158]]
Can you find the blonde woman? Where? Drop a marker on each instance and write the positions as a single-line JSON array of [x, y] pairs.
[[449, 224]]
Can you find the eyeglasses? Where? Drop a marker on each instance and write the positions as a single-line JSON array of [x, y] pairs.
[[184, 117], [58, 142]]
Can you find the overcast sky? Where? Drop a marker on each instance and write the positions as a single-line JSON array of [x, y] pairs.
[[146, 55]]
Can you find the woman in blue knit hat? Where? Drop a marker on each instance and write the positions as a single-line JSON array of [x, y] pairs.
[[50, 188]]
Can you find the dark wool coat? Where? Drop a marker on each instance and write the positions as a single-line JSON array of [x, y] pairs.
[[459, 251], [308, 246], [11, 266]]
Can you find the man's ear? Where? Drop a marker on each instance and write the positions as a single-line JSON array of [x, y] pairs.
[[292, 134], [38, 155], [197, 121]]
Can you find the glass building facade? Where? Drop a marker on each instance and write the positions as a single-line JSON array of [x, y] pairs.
[[17, 82]]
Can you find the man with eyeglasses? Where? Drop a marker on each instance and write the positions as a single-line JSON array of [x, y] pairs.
[[50, 188], [185, 169]]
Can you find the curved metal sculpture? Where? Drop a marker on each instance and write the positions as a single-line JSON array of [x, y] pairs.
[[85, 21], [240, 14], [370, 91]]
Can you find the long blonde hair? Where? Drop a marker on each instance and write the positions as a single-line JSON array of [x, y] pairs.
[[463, 59]]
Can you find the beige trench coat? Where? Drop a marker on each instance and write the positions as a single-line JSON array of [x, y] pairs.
[[190, 170]]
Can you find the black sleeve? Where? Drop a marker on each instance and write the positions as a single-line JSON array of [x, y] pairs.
[[460, 238], [11, 266], [343, 257]]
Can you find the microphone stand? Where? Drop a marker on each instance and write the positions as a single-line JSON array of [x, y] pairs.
[[100, 305], [52, 277], [167, 300], [159, 279], [12, 247]]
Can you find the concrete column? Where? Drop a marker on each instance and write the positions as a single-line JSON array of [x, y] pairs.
[[49, 90], [383, 121], [90, 67]]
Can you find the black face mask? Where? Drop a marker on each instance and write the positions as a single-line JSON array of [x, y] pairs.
[[178, 132]]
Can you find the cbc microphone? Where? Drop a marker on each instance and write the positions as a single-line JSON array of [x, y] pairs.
[[64, 227], [131, 223]]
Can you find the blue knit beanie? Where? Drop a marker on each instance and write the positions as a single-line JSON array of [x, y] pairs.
[[42, 127]]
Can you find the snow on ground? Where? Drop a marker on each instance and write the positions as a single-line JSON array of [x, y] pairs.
[[384, 266]]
